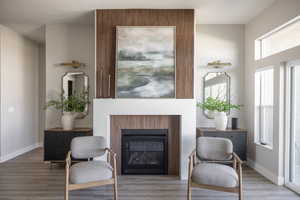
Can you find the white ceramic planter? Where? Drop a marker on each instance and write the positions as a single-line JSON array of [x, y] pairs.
[[67, 120], [210, 114], [221, 120]]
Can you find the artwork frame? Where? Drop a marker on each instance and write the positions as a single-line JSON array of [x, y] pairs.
[[171, 69]]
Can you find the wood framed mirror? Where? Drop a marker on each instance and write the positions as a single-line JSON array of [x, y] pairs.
[[216, 85], [76, 83]]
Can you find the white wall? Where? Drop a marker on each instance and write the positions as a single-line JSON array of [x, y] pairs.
[[64, 43], [268, 161], [19, 61], [225, 43]]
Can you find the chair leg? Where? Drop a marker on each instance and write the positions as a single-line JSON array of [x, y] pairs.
[[115, 189], [189, 188], [189, 191], [240, 193], [190, 169], [67, 171], [115, 176], [240, 183], [66, 193], [67, 185]]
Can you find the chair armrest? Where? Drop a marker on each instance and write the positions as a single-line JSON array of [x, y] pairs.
[[238, 169], [192, 157], [110, 152], [68, 159], [237, 158], [192, 154], [192, 163], [112, 155], [67, 167]]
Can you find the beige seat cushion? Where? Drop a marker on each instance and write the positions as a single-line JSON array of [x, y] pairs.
[[85, 172], [215, 175]]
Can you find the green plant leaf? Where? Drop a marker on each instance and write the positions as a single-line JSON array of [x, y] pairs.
[[214, 104], [75, 103]]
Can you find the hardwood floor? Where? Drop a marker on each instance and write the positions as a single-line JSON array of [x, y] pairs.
[[28, 178]]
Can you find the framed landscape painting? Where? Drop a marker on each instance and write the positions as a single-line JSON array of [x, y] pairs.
[[145, 62]]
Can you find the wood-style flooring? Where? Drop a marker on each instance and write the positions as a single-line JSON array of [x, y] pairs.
[[28, 178]]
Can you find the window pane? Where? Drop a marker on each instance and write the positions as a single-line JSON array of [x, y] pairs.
[[284, 39], [267, 87], [257, 105], [296, 125], [264, 106]]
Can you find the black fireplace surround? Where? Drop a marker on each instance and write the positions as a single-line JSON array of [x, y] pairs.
[[144, 151]]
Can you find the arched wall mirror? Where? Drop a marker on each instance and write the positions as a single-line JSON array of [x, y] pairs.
[[216, 85], [76, 83]]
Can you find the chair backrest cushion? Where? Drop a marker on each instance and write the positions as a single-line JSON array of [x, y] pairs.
[[213, 148], [88, 147]]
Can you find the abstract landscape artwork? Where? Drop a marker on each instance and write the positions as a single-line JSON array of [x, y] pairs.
[[145, 62]]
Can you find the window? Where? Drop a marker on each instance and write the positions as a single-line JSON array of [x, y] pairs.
[[264, 106], [282, 38], [293, 124]]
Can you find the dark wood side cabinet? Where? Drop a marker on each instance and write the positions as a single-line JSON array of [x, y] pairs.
[[57, 142], [237, 136]]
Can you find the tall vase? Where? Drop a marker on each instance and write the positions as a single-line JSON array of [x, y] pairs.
[[221, 120], [67, 120]]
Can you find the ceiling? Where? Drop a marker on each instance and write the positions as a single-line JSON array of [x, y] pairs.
[[27, 16]]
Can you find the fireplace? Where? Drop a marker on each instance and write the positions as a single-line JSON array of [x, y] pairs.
[[144, 151], [110, 116]]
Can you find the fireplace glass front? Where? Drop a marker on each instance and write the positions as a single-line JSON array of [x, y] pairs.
[[144, 151]]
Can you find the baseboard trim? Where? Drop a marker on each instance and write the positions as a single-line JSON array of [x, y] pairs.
[[278, 180], [19, 152]]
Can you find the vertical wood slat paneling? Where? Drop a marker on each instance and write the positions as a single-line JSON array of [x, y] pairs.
[[169, 122], [183, 19]]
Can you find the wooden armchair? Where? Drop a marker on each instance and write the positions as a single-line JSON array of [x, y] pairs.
[[90, 173], [207, 167]]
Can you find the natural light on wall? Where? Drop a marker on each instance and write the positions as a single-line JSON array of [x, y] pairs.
[[264, 98], [282, 38]]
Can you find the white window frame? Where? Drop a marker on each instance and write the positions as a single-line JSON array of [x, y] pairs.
[[258, 42], [257, 138], [288, 126]]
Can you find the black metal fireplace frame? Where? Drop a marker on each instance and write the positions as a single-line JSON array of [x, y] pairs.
[[141, 134]]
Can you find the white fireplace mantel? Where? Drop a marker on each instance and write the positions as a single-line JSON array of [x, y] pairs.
[[185, 108]]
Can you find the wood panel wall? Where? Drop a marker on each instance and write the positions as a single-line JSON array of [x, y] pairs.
[[107, 20], [169, 122]]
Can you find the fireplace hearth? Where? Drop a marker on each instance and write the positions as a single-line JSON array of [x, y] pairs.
[[144, 151]]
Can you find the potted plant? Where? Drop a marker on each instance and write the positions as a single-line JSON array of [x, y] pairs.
[[71, 107], [210, 106], [220, 108]]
